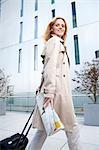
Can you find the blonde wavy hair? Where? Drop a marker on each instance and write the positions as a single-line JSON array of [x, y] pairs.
[[49, 30]]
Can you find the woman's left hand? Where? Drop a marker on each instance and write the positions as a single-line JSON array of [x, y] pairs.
[[48, 101]]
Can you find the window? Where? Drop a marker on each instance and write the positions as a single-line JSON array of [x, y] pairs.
[[21, 32], [0, 8], [20, 61], [76, 47], [53, 13], [36, 27], [21, 11], [36, 5], [74, 15], [35, 57], [52, 1], [97, 54]]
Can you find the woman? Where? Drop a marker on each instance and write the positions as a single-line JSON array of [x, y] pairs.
[[56, 86]]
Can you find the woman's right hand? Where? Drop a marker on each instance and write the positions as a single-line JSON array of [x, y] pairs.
[[37, 90]]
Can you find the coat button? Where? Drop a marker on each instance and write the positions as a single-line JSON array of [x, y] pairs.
[[63, 62], [64, 75]]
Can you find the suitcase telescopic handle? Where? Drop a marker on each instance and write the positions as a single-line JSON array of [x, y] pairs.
[[27, 122], [25, 128]]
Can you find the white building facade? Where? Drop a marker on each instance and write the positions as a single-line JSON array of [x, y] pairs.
[[22, 25]]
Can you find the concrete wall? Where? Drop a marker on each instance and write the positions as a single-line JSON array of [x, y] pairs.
[[87, 30]]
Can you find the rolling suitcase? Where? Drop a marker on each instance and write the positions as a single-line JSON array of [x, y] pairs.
[[17, 141]]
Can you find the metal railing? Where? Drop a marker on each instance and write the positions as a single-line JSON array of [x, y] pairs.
[[20, 103], [26, 103]]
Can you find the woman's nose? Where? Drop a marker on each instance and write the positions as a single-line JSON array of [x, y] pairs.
[[60, 27]]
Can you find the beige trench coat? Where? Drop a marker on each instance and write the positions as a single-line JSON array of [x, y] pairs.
[[56, 74]]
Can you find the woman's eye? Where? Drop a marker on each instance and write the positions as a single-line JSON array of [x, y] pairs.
[[63, 26], [57, 25]]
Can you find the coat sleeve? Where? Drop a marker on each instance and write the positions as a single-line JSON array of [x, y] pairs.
[[51, 58]]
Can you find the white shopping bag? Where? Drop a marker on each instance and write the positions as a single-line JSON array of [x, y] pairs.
[[49, 117]]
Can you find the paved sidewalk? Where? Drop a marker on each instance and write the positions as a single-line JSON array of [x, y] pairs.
[[13, 122]]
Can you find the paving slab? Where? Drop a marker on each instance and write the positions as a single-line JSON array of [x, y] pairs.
[[13, 122]]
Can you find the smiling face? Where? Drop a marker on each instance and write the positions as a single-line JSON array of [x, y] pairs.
[[59, 27]]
